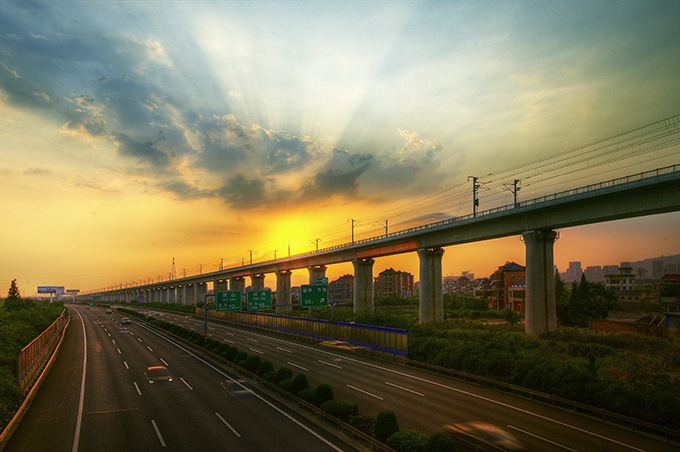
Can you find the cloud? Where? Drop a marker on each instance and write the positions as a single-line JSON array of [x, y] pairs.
[[146, 152]]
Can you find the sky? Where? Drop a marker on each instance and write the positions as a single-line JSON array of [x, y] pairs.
[[133, 134]]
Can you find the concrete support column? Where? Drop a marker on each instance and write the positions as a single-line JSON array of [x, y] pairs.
[[363, 284], [221, 285], [200, 289], [257, 282], [431, 306], [541, 316], [283, 296], [238, 283], [316, 271]]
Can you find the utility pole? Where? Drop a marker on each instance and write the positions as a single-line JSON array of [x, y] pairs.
[[514, 189], [354, 222], [316, 241], [475, 201]]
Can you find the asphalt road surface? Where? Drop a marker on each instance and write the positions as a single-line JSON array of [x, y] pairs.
[[96, 398], [423, 401]]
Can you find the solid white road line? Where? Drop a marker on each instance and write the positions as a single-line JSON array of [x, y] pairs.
[[186, 384], [158, 433], [238, 435], [137, 388], [365, 392], [542, 439], [405, 389], [298, 366], [79, 419]]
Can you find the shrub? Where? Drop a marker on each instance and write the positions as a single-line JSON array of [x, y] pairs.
[[264, 368], [322, 393], [385, 425], [222, 349], [240, 356], [269, 376], [407, 441], [252, 363], [439, 442], [282, 374], [342, 409], [364, 423], [307, 395], [231, 354], [299, 383], [286, 384]]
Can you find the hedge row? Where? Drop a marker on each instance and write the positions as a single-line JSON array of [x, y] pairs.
[[383, 427]]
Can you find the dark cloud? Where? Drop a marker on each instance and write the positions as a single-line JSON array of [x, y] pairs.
[[242, 192], [338, 177], [146, 152]]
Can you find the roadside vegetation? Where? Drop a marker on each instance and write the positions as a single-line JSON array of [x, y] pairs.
[[626, 373], [21, 321]]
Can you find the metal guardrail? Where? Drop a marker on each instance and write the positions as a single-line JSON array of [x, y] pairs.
[[31, 358], [390, 340]]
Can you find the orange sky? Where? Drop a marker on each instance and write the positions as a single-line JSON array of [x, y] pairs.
[[199, 132]]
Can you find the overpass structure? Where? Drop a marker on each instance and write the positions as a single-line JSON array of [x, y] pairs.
[[535, 220]]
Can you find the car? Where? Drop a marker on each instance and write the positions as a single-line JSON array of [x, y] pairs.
[[157, 373], [125, 321], [236, 388], [108, 311], [483, 434]]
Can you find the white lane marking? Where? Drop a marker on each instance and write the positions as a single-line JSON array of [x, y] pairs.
[[326, 363], [543, 439], [187, 384], [414, 377], [228, 333], [126, 365], [79, 419], [163, 361], [150, 349], [227, 424], [251, 340], [268, 403], [139, 339], [158, 433], [119, 352], [227, 340], [257, 351], [137, 388], [114, 341], [299, 367], [284, 350], [365, 392], [405, 389]]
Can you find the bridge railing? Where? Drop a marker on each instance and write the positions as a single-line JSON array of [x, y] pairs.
[[31, 358], [603, 187], [390, 340]]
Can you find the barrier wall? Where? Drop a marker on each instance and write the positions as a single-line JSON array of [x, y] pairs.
[[391, 340], [31, 358]]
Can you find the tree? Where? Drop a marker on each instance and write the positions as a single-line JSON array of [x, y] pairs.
[[13, 302], [587, 300], [385, 425]]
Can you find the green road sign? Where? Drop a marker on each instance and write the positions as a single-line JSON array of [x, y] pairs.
[[314, 295], [322, 280], [228, 301], [259, 300]]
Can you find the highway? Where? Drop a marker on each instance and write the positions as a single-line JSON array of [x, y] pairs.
[[423, 401], [96, 397]]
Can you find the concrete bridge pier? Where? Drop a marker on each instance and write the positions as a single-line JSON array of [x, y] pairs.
[[221, 285], [238, 283], [431, 306], [363, 284], [283, 296], [257, 282], [316, 271], [541, 316], [200, 289]]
